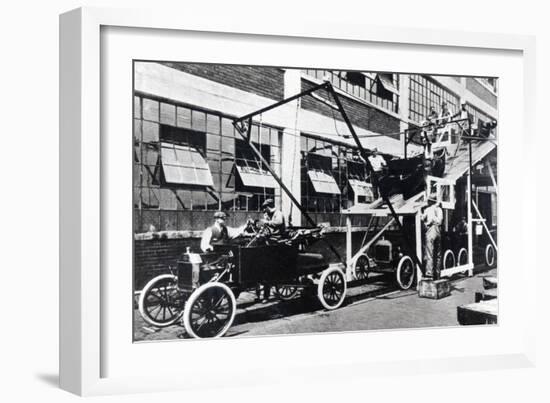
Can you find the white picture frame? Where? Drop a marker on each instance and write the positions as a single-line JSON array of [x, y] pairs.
[[85, 309]]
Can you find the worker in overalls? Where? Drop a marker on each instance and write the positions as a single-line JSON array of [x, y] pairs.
[[432, 217]]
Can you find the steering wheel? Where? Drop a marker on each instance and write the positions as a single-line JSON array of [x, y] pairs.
[[266, 230], [252, 227]]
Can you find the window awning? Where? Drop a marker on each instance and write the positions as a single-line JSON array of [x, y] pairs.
[[184, 165], [361, 188], [387, 84], [256, 178], [323, 182]]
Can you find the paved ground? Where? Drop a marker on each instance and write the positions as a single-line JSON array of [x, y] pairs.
[[375, 304]]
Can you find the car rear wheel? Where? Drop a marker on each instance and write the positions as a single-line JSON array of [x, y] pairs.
[[490, 255], [160, 302], [361, 268], [405, 273], [286, 292], [332, 288], [449, 259], [462, 257], [210, 311]]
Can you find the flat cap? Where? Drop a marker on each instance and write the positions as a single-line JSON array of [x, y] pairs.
[[268, 203], [220, 214]]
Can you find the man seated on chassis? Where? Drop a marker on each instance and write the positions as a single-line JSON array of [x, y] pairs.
[[273, 218], [219, 232]]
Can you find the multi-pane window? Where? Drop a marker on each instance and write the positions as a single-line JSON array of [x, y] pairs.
[[330, 176], [252, 179], [186, 159], [381, 89], [357, 179], [490, 81], [425, 93], [476, 115]]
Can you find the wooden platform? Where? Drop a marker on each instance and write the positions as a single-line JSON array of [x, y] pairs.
[[434, 289], [480, 313]]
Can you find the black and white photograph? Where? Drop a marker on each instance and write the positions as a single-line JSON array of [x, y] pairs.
[[279, 201]]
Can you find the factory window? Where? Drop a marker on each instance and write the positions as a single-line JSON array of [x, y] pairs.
[[386, 88], [184, 165], [252, 172], [381, 89], [354, 78], [332, 176], [186, 159], [490, 81], [320, 176], [357, 178], [477, 115], [182, 156], [425, 93]]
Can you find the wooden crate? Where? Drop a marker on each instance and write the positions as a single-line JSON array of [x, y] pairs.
[[434, 289]]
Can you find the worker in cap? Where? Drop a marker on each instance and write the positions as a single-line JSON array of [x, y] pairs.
[[273, 218], [219, 232], [274, 222]]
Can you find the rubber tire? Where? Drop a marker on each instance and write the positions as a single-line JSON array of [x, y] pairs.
[[321, 283], [487, 249], [448, 252], [460, 252], [142, 297], [398, 273], [193, 298], [367, 268]]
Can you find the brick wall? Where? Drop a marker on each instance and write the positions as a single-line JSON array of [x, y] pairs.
[[265, 81], [152, 257], [481, 92], [361, 115]]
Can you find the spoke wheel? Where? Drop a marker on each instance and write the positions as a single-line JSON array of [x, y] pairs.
[[490, 255], [286, 292], [332, 287], [449, 259], [462, 257], [405, 273], [160, 302], [361, 268], [210, 311]]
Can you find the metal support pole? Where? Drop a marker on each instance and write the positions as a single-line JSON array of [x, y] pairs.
[[418, 236], [349, 274], [485, 226], [371, 170], [492, 174], [470, 224], [284, 101]]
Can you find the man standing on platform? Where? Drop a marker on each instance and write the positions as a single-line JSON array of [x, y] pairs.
[[378, 164], [432, 217]]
